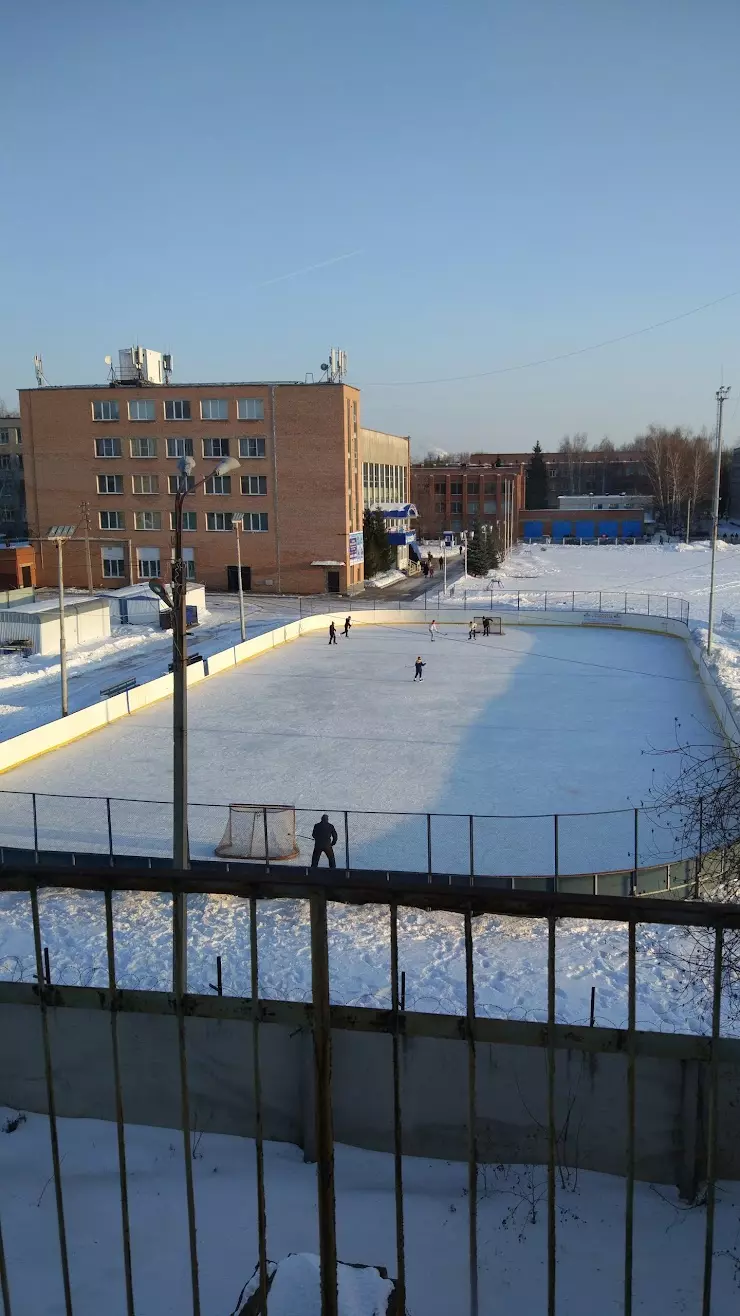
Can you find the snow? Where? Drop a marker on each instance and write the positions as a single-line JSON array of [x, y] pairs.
[[512, 1228], [295, 1288]]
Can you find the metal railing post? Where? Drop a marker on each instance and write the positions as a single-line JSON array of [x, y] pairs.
[[429, 846], [648, 611], [629, 1208], [625, 603], [599, 600], [517, 600], [545, 600], [35, 827], [701, 844], [712, 1113], [551, 1135], [51, 1100], [346, 843], [472, 848], [573, 601], [397, 1118], [472, 1118], [4, 1287], [267, 840], [120, 1126], [257, 1080], [324, 1120], [110, 829], [180, 991], [556, 822], [637, 847]]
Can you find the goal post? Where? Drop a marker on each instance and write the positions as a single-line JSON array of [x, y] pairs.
[[259, 831], [495, 623]]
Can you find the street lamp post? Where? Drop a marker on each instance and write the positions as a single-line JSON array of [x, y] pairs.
[[237, 520], [721, 395], [177, 606], [59, 534]]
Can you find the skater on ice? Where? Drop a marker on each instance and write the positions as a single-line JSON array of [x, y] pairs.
[[347, 624], [332, 634], [324, 839], [472, 632], [433, 631], [419, 669], [486, 625]]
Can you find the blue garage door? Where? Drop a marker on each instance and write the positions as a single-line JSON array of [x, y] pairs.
[[584, 530], [560, 529], [533, 529], [608, 528], [630, 528]]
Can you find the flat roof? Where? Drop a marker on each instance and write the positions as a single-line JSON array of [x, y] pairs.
[[172, 388], [52, 606]]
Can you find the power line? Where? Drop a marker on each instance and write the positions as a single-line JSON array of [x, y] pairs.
[[560, 356]]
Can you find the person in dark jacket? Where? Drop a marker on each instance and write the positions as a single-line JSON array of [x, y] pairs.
[[347, 624], [324, 840], [419, 669], [332, 634]]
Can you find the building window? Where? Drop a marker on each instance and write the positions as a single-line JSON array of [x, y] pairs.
[[214, 409], [110, 484], [251, 447], [150, 567], [177, 410], [472, 508], [218, 484], [254, 484], [112, 521], [107, 447], [255, 521], [148, 521], [439, 507], [188, 557], [145, 484], [144, 447], [5, 462], [220, 521], [473, 489], [250, 409], [105, 411], [456, 509], [489, 507], [179, 447], [9, 436], [490, 489], [215, 447], [179, 482], [141, 410], [114, 563], [439, 488], [189, 520], [456, 489]]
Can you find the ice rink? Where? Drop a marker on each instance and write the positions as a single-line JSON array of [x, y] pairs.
[[534, 722]]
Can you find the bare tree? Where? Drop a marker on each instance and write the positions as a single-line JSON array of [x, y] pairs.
[[4, 410], [679, 467], [575, 448]]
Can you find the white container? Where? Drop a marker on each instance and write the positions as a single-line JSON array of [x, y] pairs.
[[136, 605], [84, 620]]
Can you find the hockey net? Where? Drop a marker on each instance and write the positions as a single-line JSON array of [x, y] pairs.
[[250, 825], [496, 627]]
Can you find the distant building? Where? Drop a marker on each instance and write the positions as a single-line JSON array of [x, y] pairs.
[[306, 471], [573, 526], [605, 503], [735, 485], [386, 485], [12, 485], [592, 472], [456, 497]]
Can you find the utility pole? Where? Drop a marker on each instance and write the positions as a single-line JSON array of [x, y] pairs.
[[688, 521], [722, 394], [85, 509]]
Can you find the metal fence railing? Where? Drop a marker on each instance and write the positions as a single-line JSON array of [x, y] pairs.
[[615, 603], [542, 846], [560, 1123]]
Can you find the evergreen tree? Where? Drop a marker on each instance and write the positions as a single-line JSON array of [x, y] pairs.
[[537, 479], [490, 543], [478, 552], [379, 553]]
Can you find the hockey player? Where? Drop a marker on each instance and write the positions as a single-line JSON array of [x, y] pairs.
[[472, 632], [332, 634], [486, 625], [433, 631], [324, 840], [419, 669], [347, 624]]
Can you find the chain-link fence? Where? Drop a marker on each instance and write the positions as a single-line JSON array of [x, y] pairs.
[[496, 599]]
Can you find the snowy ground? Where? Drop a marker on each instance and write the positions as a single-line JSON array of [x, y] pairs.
[[668, 1238]]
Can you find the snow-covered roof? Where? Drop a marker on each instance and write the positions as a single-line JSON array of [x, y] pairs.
[[51, 607]]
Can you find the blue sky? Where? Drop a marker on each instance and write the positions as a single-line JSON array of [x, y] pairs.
[[518, 178]]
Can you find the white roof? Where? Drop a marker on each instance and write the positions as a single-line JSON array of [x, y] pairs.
[[52, 606]]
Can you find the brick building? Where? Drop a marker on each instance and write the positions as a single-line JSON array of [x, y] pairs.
[[110, 453], [12, 488], [594, 471], [455, 497]]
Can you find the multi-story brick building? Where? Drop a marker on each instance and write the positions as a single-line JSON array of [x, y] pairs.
[[456, 497], [109, 454], [590, 472], [12, 488]]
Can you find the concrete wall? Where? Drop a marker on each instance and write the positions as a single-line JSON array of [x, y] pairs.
[[591, 1092]]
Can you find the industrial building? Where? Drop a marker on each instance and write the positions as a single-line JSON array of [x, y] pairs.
[[106, 458], [456, 497]]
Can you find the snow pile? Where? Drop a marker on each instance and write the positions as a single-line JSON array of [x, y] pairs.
[[294, 1288], [384, 579]]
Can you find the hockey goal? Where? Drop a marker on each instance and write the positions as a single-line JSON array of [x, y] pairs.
[[495, 623], [259, 831]]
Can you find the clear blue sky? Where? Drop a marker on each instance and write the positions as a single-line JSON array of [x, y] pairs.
[[520, 178]]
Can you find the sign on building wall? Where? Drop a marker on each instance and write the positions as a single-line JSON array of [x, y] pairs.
[[356, 547]]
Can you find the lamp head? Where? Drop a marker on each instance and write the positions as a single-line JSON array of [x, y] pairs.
[[158, 588], [186, 465], [227, 465]]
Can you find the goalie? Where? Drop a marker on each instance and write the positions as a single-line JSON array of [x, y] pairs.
[[324, 840]]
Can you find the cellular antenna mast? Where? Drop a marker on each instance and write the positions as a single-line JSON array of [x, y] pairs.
[[38, 367]]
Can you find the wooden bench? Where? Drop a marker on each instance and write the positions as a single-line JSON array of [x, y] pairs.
[[120, 688], [24, 647]]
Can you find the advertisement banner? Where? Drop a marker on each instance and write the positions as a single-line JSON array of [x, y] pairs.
[[356, 547]]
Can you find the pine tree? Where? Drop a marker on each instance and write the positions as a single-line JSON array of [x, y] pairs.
[[537, 479], [478, 553], [490, 543], [379, 554]]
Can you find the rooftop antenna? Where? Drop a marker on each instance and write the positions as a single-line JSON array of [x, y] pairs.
[[38, 366], [109, 363], [335, 368]]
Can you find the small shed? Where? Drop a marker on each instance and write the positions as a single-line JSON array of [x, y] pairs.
[[17, 566], [136, 605], [84, 620]]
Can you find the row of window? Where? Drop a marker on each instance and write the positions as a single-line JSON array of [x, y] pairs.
[[180, 409], [456, 489], [149, 447], [11, 461], [8, 436], [456, 507], [254, 522], [148, 562], [254, 485], [383, 483]]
